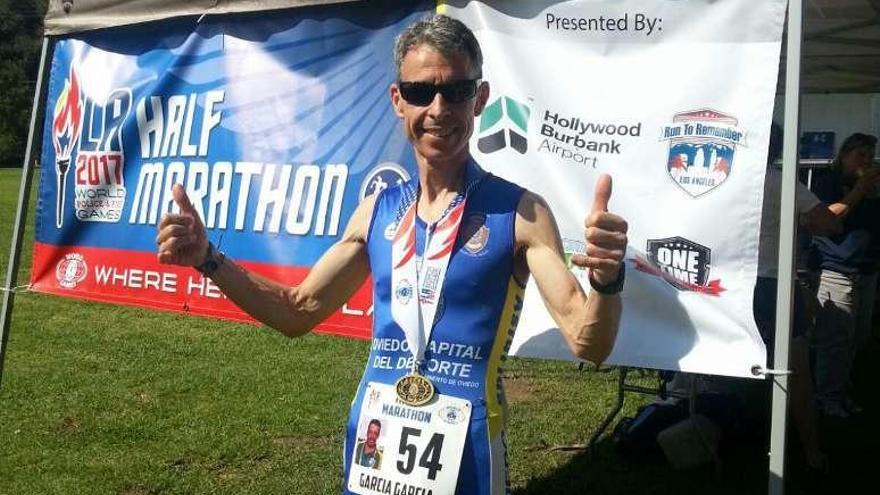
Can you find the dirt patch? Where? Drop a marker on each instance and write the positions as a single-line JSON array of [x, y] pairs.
[[219, 466], [68, 426], [179, 464], [519, 390]]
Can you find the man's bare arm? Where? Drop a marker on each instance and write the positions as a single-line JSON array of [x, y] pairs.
[[821, 220], [293, 311], [864, 185], [588, 324]]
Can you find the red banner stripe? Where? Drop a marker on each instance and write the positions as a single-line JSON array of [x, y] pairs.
[[135, 278]]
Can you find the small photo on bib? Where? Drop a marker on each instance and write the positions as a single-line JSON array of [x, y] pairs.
[[369, 449]]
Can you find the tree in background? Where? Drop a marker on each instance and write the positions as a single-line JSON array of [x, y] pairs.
[[21, 25]]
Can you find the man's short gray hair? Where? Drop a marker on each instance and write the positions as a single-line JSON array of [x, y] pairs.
[[446, 35]]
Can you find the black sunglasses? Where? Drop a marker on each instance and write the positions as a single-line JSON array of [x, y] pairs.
[[422, 93]]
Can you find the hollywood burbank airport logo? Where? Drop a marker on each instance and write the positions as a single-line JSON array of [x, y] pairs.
[[503, 123], [682, 263], [702, 145]]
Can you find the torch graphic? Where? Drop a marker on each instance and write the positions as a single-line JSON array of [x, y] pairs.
[[66, 123]]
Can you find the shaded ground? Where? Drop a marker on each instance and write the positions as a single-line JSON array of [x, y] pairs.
[[850, 445]]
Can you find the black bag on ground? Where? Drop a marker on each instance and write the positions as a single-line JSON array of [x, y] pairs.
[[636, 437]]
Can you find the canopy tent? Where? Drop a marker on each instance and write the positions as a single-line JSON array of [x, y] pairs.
[[841, 50], [71, 16]]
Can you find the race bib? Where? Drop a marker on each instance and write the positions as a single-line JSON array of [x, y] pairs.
[[404, 449]]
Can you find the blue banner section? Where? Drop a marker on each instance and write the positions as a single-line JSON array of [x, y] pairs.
[[277, 125]]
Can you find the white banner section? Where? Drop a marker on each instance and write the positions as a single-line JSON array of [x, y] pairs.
[[672, 98]]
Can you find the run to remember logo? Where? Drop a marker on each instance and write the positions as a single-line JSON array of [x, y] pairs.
[[504, 122]]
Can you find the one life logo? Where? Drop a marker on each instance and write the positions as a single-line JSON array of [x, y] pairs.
[[504, 122], [682, 263]]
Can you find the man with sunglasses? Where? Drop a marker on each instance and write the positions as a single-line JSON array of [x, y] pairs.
[[449, 253]]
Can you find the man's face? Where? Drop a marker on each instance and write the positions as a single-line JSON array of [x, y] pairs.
[[373, 431], [440, 130]]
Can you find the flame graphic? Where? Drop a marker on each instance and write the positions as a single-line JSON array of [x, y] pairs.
[[66, 123], [67, 118]]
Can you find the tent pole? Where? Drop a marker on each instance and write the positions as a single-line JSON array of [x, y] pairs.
[[776, 479], [23, 199]]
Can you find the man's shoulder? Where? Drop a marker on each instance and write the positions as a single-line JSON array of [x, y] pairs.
[[501, 182], [499, 191]]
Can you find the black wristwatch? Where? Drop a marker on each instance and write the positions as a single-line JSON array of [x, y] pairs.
[[213, 260], [612, 288]]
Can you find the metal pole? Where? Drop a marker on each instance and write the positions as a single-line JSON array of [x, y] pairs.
[[776, 481], [21, 213]]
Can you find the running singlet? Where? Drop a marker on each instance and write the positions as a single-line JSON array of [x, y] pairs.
[[478, 312]]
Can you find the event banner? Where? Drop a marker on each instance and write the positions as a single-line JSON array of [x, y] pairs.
[[279, 125], [674, 100]]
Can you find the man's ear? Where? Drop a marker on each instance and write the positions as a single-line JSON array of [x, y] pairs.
[[396, 100], [482, 98]]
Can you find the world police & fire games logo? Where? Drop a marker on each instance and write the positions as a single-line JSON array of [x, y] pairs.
[[71, 270], [702, 147], [87, 139]]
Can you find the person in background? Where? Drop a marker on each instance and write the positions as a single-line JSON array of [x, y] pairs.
[[848, 278], [739, 407], [816, 218]]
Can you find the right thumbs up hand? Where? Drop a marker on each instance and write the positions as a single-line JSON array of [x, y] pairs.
[[182, 239]]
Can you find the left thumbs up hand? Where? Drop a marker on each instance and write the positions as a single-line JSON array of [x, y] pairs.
[[605, 234]]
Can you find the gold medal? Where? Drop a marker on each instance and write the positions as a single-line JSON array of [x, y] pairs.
[[414, 389]]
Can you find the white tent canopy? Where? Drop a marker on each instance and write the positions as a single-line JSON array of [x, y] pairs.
[[841, 52], [71, 16]]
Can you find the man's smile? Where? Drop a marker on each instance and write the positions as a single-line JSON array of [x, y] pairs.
[[438, 131]]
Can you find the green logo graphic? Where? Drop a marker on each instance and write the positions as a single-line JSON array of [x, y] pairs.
[[504, 122]]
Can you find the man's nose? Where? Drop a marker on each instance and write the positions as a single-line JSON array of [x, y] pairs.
[[438, 105]]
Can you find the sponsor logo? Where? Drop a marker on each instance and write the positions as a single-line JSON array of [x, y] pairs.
[[702, 146], [580, 141], [403, 292], [381, 177], [452, 415], [476, 232], [99, 179], [71, 270], [684, 264], [503, 123], [373, 397], [570, 247]]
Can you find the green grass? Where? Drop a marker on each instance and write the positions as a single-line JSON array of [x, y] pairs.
[[99, 399]]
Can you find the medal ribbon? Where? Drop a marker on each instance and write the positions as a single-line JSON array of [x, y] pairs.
[[416, 289]]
